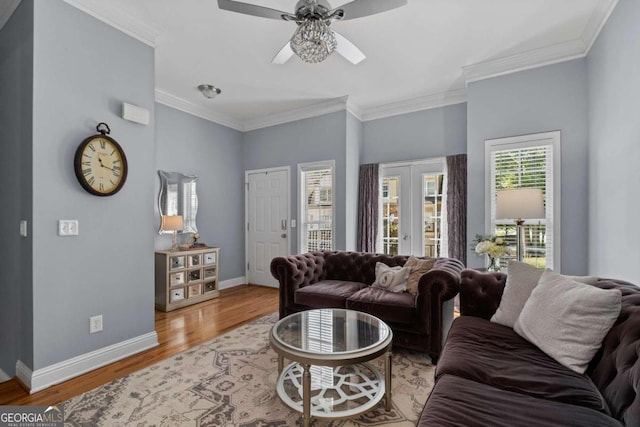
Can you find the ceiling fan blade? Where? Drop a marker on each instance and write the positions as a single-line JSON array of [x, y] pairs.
[[284, 55], [349, 50], [360, 8], [252, 9]]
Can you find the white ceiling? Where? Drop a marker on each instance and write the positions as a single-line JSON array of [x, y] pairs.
[[418, 56]]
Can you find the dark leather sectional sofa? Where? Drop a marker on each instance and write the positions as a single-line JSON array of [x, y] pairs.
[[489, 376], [339, 279]]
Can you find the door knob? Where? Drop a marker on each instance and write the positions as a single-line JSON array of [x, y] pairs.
[[406, 237], [283, 235]]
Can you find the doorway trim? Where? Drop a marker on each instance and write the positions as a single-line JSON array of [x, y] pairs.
[[287, 170]]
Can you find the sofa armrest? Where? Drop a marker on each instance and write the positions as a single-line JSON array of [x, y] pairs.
[[481, 292], [441, 282], [296, 271], [434, 305]]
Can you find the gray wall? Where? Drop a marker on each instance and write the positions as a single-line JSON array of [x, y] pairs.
[[614, 143], [16, 104], [192, 145], [83, 71], [543, 99], [424, 134], [353, 148], [309, 140]]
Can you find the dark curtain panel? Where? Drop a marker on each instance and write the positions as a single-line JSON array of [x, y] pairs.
[[368, 208], [457, 206]]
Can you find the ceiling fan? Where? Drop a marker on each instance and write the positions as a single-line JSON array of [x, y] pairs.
[[314, 40]]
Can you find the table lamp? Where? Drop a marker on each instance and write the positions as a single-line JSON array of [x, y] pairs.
[[519, 204], [173, 223]]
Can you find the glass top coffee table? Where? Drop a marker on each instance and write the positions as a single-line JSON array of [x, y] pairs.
[[328, 376]]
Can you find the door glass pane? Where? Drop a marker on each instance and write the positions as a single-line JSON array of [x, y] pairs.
[[432, 218], [390, 218]]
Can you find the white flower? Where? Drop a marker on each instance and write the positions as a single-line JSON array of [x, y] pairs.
[[499, 241], [483, 247]]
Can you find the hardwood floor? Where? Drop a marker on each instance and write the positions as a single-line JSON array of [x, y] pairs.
[[177, 331]]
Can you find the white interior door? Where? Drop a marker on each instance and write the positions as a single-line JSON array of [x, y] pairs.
[[267, 222]]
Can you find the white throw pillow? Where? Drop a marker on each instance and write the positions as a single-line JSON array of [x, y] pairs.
[[393, 279], [568, 320], [521, 279]]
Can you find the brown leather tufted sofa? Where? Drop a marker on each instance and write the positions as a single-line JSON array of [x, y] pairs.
[[490, 376], [340, 279]]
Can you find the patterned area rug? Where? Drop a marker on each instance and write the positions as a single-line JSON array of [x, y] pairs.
[[230, 381]]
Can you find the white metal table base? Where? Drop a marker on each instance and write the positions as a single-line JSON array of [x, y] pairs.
[[333, 386]]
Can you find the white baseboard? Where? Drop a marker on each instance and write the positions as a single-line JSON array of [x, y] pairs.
[[3, 376], [230, 283], [58, 372]]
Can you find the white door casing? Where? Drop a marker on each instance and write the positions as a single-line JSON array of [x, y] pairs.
[[267, 217]]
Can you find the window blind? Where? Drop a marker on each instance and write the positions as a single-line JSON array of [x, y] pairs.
[[317, 208], [528, 167]]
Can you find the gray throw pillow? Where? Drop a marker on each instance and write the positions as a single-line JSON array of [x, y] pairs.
[[521, 279], [568, 320]]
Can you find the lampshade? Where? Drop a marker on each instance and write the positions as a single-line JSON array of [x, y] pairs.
[[172, 222], [520, 203]]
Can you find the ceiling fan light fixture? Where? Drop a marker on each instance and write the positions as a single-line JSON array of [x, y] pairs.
[[209, 91], [313, 41]]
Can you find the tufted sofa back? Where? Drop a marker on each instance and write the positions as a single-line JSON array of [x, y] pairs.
[[356, 266], [615, 369]]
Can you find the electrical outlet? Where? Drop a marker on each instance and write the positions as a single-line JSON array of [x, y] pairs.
[[95, 324], [67, 227]]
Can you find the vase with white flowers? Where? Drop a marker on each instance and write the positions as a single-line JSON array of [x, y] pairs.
[[493, 247]]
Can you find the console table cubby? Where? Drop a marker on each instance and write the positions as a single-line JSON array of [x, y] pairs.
[[186, 277]]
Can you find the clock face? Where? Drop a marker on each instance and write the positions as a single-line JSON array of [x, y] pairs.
[[100, 165]]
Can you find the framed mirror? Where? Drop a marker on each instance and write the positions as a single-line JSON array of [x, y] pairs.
[[178, 197]]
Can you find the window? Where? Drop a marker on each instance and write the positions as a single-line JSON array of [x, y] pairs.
[[316, 182], [530, 161]]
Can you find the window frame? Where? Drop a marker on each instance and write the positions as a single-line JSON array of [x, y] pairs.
[[528, 141], [310, 167]]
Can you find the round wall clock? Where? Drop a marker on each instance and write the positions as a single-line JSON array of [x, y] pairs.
[[100, 164]]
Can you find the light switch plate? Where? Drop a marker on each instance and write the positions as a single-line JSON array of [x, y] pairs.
[[23, 228]]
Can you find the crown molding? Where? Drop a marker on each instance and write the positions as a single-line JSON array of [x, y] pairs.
[[110, 15], [164, 97], [354, 109], [313, 110], [7, 7], [524, 61], [598, 18], [561, 52], [425, 102]]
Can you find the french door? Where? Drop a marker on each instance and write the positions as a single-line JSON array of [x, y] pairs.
[[412, 209]]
